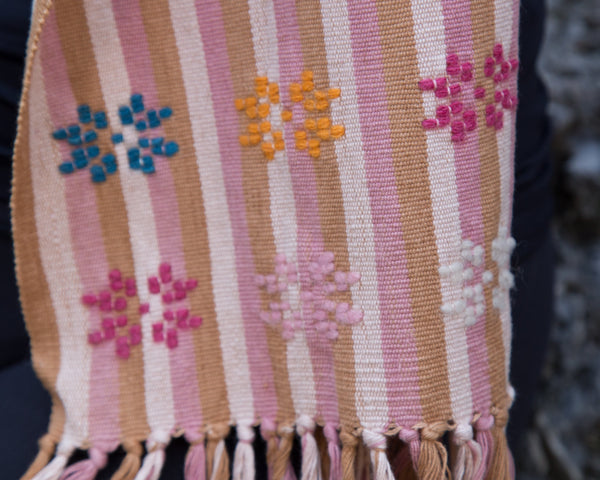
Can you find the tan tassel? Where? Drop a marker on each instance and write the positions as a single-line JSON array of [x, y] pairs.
[[217, 459], [500, 461], [433, 457], [47, 445], [282, 457], [132, 461], [349, 447]]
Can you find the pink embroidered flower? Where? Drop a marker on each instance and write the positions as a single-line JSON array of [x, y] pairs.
[[505, 98]]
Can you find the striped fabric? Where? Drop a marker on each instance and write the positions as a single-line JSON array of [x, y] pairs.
[[291, 218]]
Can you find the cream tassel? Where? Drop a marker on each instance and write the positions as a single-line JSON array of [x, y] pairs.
[[377, 443]]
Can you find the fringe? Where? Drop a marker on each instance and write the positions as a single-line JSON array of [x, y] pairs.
[[155, 459], [377, 444], [132, 461], [195, 461], [217, 459], [243, 461], [348, 456], [485, 440], [55, 468], [86, 469], [500, 467], [333, 449], [47, 445], [468, 456], [433, 457], [268, 431], [311, 462], [282, 468]]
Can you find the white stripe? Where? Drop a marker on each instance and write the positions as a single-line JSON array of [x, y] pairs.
[[431, 57], [504, 26], [283, 211], [368, 355], [60, 268], [218, 223], [116, 91]]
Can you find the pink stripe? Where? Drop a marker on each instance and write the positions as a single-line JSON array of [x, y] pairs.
[[304, 183], [210, 20], [457, 23], [397, 337], [86, 234], [186, 395]]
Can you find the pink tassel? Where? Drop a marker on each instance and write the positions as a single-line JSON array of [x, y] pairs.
[[289, 473], [86, 469], [485, 440], [411, 438], [333, 448], [195, 462]]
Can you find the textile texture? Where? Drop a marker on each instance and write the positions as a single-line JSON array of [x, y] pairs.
[[291, 218]]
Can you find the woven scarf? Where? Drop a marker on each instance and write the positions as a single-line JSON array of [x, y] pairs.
[[287, 218]]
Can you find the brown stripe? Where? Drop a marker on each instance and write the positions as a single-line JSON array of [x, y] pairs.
[[331, 207], [482, 15], [171, 91], [85, 83], [34, 293], [256, 189], [409, 149]]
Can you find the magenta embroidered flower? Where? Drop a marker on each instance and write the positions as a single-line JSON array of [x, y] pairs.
[[310, 305], [501, 70]]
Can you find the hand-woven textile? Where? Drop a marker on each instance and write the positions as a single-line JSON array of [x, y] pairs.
[[291, 218]]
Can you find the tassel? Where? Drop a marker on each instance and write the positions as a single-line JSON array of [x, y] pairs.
[[411, 439], [484, 438], [55, 468], [282, 468], [155, 458], [500, 461], [269, 434], [86, 469], [333, 448], [217, 460], [377, 443], [468, 454], [348, 457], [47, 445], [433, 457], [195, 461], [311, 464], [132, 461], [243, 460]]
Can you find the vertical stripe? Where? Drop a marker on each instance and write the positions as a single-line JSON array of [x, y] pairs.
[[413, 196], [72, 23], [283, 209], [331, 209], [429, 39], [310, 237], [397, 331], [138, 57], [255, 181], [116, 90], [350, 154], [57, 257]]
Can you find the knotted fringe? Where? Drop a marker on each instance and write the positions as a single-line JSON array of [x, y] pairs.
[[409, 455], [282, 468], [47, 445], [484, 438], [348, 456], [243, 460], [155, 458], [433, 457], [195, 459], [86, 469], [377, 444], [333, 449], [311, 463], [468, 456], [269, 434], [500, 467], [217, 459], [55, 468], [132, 461]]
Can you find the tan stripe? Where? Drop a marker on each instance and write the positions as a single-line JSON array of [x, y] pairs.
[[409, 149], [482, 15], [331, 208], [74, 35], [170, 91], [34, 293], [256, 190]]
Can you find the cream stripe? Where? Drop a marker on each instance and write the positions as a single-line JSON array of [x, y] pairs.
[[283, 210], [116, 90], [56, 252], [220, 236], [504, 26], [431, 53], [368, 355]]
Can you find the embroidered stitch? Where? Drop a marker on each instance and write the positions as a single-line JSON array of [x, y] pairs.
[[309, 305], [502, 248], [117, 328], [82, 137], [317, 125], [501, 70], [450, 88], [138, 124], [258, 110]]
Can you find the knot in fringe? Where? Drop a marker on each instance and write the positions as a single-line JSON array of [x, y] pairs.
[[463, 433], [374, 440]]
